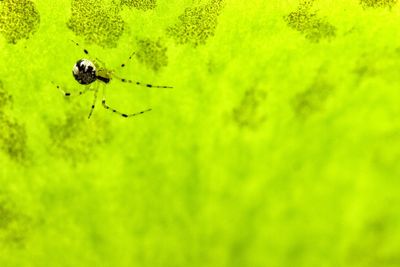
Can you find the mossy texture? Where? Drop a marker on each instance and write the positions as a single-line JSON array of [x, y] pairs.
[[152, 54], [306, 21], [19, 19], [378, 3], [96, 21], [197, 23], [140, 4]]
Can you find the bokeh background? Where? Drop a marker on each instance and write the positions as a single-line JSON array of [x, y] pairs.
[[279, 144]]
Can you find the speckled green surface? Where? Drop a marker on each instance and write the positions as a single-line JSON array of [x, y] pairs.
[[279, 144]]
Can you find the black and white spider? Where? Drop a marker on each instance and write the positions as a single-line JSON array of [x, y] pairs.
[[87, 72]]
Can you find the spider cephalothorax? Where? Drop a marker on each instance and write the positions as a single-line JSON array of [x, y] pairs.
[[84, 71]]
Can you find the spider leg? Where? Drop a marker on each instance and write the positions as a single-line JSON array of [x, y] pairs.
[[87, 53], [84, 50], [130, 57], [140, 83], [66, 93], [103, 102], [96, 90], [99, 61]]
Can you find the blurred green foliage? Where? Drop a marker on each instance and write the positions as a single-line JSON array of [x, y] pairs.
[[278, 145]]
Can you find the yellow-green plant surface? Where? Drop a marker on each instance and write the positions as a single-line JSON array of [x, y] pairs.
[[279, 144]]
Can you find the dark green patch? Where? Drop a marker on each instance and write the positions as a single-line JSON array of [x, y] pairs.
[[370, 245], [76, 137], [363, 69], [5, 97], [248, 114], [14, 225], [18, 19], [140, 4], [378, 3], [197, 24], [13, 138], [312, 100], [387, 153], [379, 63], [308, 23], [13, 135], [96, 21], [151, 53]]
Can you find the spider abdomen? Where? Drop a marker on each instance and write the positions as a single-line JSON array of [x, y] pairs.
[[84, 71]]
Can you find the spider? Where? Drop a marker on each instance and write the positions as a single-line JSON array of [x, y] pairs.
[[87, 72]]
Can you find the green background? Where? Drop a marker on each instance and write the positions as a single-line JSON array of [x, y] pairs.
[[278, 145]]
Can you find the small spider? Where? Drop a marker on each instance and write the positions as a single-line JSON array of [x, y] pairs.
[[86, 72]]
